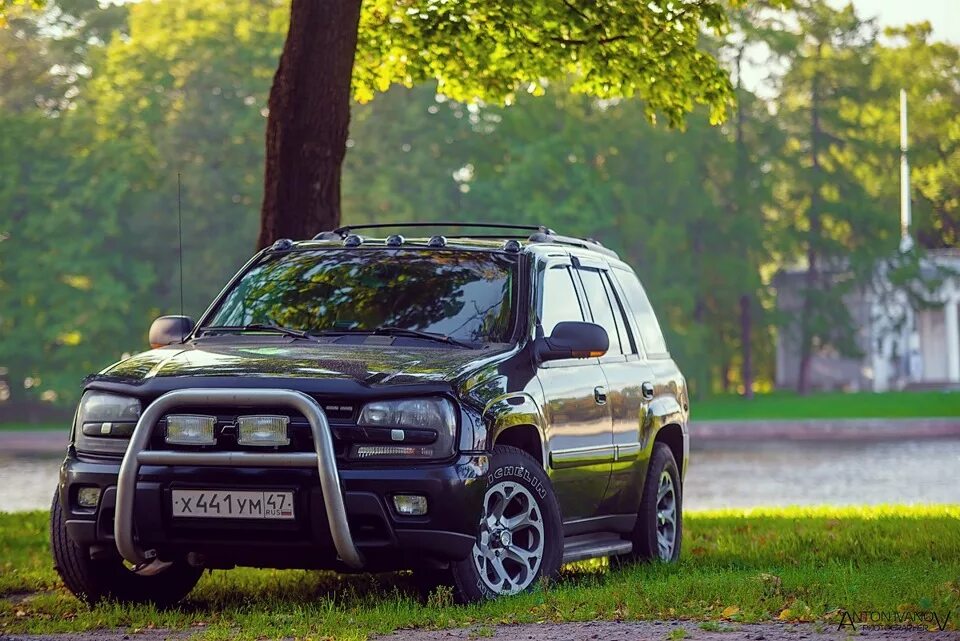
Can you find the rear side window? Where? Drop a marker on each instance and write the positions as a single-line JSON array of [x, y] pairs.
[[639, 305], [560, 301], [601, 306]]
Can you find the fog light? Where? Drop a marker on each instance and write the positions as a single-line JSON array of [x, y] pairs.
[[410, 504], [88, 496], [264, 431], [184, 429]]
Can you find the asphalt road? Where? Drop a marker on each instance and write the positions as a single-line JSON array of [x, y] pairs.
[[721, 474]]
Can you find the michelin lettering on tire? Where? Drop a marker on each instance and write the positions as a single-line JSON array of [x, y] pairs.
[[519, 475], [520, 472]]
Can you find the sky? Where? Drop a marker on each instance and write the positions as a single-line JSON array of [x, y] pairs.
[[944, 15]]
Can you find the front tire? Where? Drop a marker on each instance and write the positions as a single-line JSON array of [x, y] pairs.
[[520, 534], [94, 580], [659, 528]]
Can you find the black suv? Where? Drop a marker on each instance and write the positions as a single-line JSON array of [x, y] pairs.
[[476, 408]]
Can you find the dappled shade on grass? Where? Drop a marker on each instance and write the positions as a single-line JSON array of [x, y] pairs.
[[752, 565]]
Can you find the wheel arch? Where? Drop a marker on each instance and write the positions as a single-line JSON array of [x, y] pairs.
[[672, 436], [523, 436], [516, 420]]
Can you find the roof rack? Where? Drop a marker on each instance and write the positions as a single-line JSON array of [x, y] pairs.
[[586, 243], [346, 230], [541, 233]]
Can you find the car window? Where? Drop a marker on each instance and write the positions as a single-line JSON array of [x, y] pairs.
[[466, 295], [600, 306], [639, 306], [560, 301], [623, 325]]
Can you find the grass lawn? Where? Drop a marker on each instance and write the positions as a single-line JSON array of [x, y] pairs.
[[784, 405], [745, 566], [27, 427]]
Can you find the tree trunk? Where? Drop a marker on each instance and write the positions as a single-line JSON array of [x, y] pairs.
[[740, 169], [308, 121], [746, 348], [702, 371], [811, 277]]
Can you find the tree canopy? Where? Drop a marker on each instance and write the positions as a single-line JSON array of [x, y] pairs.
[[490, 52]]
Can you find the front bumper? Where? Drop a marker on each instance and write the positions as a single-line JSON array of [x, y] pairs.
[[344, 519], [385, 539]]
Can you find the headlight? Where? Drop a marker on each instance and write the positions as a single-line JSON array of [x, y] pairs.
[[104, 414], [420, 428], [104, 419]]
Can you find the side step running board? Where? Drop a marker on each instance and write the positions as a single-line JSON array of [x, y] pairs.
[[591, 546]]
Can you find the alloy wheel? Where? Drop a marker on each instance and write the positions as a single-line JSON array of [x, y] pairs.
[[509, 547], [666, 517]]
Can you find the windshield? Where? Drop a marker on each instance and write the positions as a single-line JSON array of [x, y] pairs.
[[465, 295]]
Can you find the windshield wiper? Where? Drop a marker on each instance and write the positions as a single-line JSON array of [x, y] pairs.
[[390, 330], [259, 327]]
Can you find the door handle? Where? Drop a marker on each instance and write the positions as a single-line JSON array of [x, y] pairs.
[[600, 394], [646, 390]]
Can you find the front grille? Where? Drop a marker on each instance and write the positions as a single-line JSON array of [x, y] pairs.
[[337, 411]]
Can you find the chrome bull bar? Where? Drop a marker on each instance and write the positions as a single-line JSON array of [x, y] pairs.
[[324, 459]]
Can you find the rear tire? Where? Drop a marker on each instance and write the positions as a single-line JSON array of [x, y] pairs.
[[520, 534], [92, 581], [659, 528]]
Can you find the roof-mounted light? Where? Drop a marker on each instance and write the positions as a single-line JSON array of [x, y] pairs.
[[352, 241], [281, 244], [513, 246], [437, 241], [395, 240]]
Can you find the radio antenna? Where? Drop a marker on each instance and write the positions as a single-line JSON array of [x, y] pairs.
[[180, 249]]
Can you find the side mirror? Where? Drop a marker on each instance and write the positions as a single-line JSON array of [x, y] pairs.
[[573, 339], [167, 330]]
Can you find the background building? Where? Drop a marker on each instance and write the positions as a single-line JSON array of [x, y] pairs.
[[901, 345]]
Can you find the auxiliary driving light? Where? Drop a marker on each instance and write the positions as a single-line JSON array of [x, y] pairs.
[[88, 496], [410, 504], [185, 429], [391, 451], [263, 431]]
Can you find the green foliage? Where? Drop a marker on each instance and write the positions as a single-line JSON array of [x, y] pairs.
[[493, 51], [89, 216], [826, 215], [928, 71], [6, 6], [792, 564], [102, 107]]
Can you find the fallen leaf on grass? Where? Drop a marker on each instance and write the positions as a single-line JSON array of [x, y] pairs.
[[729, 611]]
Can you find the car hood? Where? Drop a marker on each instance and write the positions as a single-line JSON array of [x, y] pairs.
[[369, 365]]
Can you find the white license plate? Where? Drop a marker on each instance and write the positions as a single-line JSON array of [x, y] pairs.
[[229, 504]]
